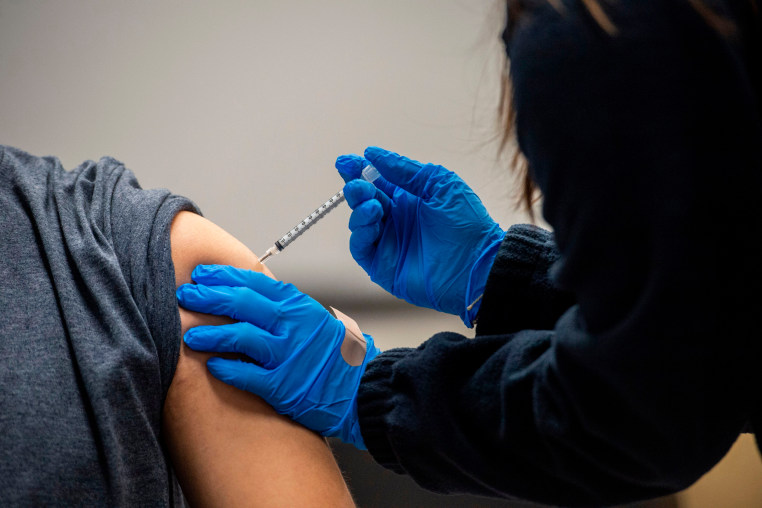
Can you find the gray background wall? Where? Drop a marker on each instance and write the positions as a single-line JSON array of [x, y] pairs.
[[244, 106]]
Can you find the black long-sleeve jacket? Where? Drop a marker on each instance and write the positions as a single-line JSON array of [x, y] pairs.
[[619, 357]]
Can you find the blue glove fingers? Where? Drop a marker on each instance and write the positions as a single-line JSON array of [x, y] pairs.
[[369, 212], [224, 275], [243, 338], [244, 376], [362, 244], [241, 304], [406, 173], [359, 191], [350, 166]]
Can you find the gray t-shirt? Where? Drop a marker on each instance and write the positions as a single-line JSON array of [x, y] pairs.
[[89, 334]]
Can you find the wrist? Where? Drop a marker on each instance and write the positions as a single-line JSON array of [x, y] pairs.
[[357, 349], [477, 279]]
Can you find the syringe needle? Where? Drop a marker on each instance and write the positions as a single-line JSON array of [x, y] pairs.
[[265, 256]]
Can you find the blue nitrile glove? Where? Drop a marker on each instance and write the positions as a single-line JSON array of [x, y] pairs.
[[420, 232], [295, 342]]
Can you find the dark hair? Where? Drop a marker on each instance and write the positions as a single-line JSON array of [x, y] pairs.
[[506, 112]]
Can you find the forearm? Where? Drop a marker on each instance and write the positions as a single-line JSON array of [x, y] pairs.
[[511, 416]]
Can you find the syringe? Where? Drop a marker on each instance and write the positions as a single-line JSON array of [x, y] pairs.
[[369, 173]]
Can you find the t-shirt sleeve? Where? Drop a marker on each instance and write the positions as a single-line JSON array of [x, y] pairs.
[[93, 332], [140, 225]]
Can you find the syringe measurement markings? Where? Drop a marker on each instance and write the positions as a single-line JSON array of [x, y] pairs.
[[318, 214], [369, 174]]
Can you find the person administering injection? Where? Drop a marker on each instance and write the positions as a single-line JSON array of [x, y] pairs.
[[616, 358]]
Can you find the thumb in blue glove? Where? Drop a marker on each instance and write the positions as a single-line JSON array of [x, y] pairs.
[[420, 232], [308, 363]]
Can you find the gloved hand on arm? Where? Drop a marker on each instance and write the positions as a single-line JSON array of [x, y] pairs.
[[304, 366], [420, 232]]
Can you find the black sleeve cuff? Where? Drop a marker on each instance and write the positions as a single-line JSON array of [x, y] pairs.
[[374, 402], [520, 292]]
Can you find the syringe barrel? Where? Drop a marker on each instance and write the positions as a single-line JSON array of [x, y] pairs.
[[369, 173], [311, 219]]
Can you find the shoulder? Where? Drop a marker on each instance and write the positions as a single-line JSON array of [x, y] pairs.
[[15, 163]]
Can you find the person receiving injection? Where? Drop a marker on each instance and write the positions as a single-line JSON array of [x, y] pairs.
[[616, 358]]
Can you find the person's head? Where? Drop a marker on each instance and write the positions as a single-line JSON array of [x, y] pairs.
[[515, 10]]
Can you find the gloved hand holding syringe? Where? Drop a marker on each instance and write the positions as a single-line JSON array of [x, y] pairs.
[[369, 174]]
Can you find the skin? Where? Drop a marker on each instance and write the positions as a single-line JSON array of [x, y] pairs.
[[228, 447]]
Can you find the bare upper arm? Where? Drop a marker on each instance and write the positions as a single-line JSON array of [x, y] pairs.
[[227, 446]]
